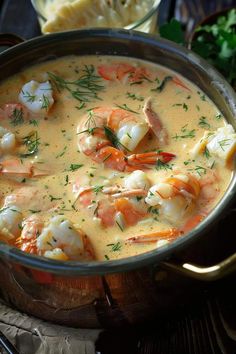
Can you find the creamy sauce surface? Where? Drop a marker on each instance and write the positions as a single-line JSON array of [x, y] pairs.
[[185, 112]]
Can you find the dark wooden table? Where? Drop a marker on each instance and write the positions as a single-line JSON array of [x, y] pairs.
[[205, 323]]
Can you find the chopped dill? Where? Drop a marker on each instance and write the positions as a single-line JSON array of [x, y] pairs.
[[185, 133], [163, 166], [17, 117], [134, 97], [32, 142], [85, 88], [126, 108], [115, 246], [203, 123], [162, 85]]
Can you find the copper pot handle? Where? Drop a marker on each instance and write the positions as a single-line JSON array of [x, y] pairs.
[[8, 40], [211, 273]]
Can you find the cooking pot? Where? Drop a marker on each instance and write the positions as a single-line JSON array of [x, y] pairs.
[[110, 293]]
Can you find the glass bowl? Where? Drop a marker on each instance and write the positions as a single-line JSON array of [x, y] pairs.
[[147, 23]]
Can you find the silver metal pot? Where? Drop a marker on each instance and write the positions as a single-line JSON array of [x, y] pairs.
[[124, 291]]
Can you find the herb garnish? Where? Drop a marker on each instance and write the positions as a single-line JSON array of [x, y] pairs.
[[218, 116], [81, 106], [17, 117], [223, 143], [74, 166], [185, 107], [53, 198], [135, 97], [32, 143], [90, 122], [153, 210], [162, 84], [206, 153], [202, 96], [115, 246], [163, 166], [113, 139], [85, 88], [45, 102], [185, 133], [34, 211], [34, 122], [119, 225], [97, 189], [62, 153], [126, 108], [203, 123], [67, 180], [199, 170], [28, 96]]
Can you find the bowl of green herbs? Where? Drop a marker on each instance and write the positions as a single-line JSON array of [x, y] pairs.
[[214, 39]]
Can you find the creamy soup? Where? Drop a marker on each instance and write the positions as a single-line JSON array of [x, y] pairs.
[[107, 157]]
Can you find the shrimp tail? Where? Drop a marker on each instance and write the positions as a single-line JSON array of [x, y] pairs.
[[150, 158], [169, 234], [180, 83]]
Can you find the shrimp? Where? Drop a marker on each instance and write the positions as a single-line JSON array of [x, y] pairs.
[[7, 141], [37, 97], [167, 235], [29, 198], [10, 221], [155, 123], [120, 205], [31, 229], [109, 136], [61, 240], [209, 187], [16, 168], [16, 112], [123, 72], [175, 198]]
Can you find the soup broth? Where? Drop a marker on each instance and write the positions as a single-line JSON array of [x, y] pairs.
[[107, 157]]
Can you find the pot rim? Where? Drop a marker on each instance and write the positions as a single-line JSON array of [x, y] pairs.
[[72, 268]]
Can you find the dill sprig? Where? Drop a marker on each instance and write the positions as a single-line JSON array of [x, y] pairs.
[[163, 166], [223, 143], [199, 170], [17, 117], [134, 97], [32, 142], [206, 153], [162, 84], [75, 166], [45, 102], [85, 88], [115, 246], [91, 122], [97, 189], [126, 108], [29, 97], [203, 123], [185, 133], [113, 138]]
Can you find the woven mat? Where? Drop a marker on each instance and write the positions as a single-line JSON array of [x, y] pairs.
[[33, 336]]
